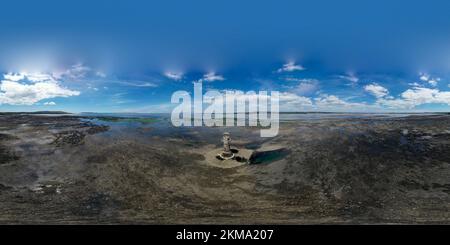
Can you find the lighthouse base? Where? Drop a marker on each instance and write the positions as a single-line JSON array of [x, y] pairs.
[[226, 155], [214, 157]]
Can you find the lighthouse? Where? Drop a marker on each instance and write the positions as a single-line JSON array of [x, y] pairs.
[[226, 152]]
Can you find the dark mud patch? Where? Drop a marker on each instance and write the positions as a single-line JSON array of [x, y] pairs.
[[97, 204], [4, 137], [5, 188], [197, 157], [7, 156], [443, 187], [97, 159]]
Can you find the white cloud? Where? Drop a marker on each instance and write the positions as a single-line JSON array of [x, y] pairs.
[[334, 102], [37, 77], [100, 74], [294, 99], [424, 77], [376, 90], [50, 103], [417, 96], [433, 81], [77, 71], [29, 88], [290, 101], [327, 100], [15, 93], [89, 86], [13, 76], [291, 66], [304, 86], [139, 84], [414, 84], [285, 97], [350, 77], [426, 95], [211, 77], [174, 75]]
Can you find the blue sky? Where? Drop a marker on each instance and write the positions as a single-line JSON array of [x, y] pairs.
[[130, 56]]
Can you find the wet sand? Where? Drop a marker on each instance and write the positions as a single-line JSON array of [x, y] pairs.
[[69, 169]]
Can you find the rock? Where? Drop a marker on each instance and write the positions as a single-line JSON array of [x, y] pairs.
[[72, 137]]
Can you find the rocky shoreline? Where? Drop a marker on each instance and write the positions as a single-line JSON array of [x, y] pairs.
[[69, 169]]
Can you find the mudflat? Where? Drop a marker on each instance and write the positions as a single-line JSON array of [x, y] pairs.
[[69, 169]]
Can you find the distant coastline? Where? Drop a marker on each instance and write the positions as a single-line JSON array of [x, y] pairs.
[[138, 113], [36, 112]]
